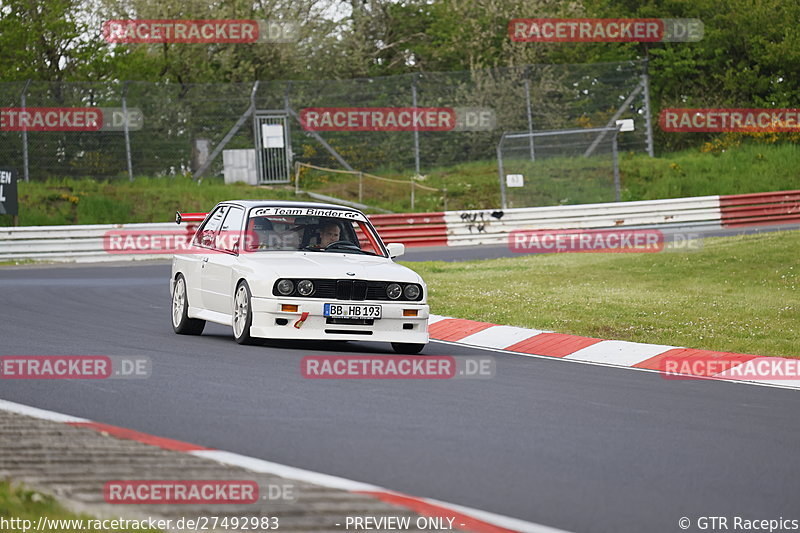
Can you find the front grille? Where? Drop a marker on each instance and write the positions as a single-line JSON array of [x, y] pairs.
[[345, 289]]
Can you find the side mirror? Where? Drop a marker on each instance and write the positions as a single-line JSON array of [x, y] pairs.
[[235, 247], [396, 249]]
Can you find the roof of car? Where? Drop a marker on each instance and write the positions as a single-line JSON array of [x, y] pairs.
[[247, 204]]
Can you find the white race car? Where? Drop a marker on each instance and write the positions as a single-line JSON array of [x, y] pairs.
[[296, 270]]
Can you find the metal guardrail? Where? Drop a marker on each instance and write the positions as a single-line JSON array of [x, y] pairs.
[[450, 228]]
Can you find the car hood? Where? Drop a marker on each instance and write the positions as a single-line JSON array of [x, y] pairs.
[[328, 265]]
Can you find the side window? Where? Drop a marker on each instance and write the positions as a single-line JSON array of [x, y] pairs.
[[207, 234], [231, 229]]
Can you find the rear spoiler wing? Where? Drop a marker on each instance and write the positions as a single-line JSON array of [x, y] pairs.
[[189, 217]]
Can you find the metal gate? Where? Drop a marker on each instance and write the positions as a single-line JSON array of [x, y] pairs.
[[273, 147]]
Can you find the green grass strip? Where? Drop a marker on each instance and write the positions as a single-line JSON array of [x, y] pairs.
[[736, 294]]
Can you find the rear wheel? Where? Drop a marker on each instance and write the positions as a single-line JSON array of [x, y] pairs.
[[407, 348], [181, 323], [242, 314]]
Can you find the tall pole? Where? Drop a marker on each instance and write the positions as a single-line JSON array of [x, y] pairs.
[[125, 129], [25, 170], [416, 132], [530, 115], [500, 172], [647, 118], [616, 163]]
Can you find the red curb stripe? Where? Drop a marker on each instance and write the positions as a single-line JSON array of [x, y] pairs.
[[429, 509], [129, 434], [455, 329], [657, 362], [553, 344]]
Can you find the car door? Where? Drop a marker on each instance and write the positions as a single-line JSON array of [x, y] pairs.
[[203, 243], [218, 269], [194, 259]]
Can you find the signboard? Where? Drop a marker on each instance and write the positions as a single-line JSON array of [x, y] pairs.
[[272, 135], [625, 124], [515, 180], [8, 192]]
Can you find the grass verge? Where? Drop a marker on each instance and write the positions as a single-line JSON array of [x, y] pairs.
[[85, 201], [736, 294], [742, 169], [739, 169], [17, 502]]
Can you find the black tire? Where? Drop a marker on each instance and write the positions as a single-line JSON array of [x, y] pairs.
[[243, 310], [407, 348], [181, 323]]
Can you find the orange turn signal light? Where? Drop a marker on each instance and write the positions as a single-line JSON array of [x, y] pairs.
[[288, 308], [410, 312]]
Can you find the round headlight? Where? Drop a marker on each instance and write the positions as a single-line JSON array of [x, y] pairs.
[[411, 292], [305, 287], [285, 287], [393, 291]]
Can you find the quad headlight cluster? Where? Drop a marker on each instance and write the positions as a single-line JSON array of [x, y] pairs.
[[305, 287], [394, 290]]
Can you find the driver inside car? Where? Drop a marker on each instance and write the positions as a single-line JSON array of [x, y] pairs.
[[329, 233]]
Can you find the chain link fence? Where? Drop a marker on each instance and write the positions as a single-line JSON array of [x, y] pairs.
[[181, 124], [560, 167]]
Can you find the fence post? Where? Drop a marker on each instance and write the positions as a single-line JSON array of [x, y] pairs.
[[615, 155], [528, 107], [500, 171], [360, 187], [25, 169], [413, 183], [288, 125], [647, 118], [416, 132], [125, 129]]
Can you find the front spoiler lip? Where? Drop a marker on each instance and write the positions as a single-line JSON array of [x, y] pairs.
[[386, 329]]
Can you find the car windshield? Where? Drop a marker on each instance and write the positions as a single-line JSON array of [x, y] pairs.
[[312, 230]]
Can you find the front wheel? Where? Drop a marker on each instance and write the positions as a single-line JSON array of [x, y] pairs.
[[407, 348], [242, 314], [181, 323]]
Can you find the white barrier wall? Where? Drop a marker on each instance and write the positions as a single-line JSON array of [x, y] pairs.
[[85, 243], [492, 226]]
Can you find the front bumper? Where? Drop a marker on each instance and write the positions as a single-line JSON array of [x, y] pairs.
[[391, 327]]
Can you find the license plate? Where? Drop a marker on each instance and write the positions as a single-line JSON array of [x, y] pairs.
[[352, 311]]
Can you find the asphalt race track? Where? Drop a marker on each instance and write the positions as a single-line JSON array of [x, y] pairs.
[[573, 446]]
